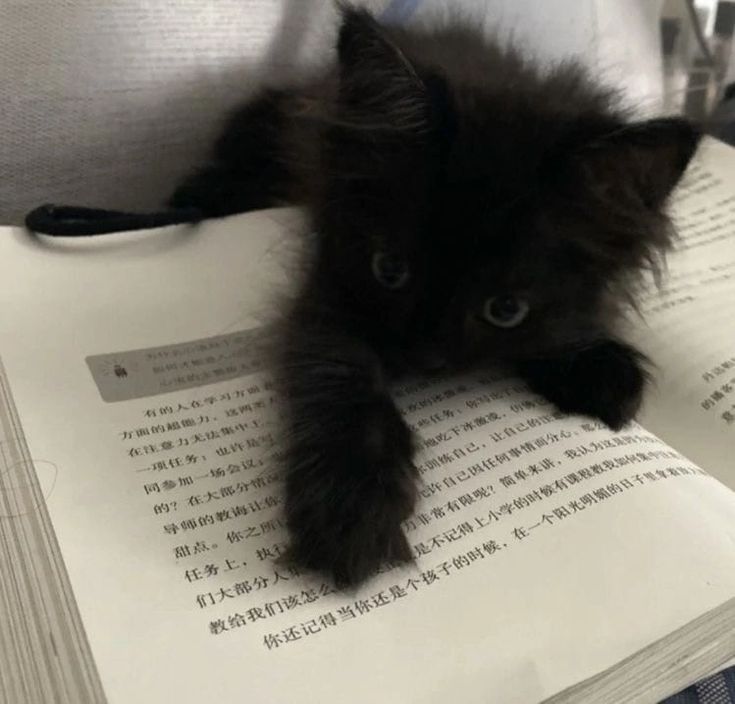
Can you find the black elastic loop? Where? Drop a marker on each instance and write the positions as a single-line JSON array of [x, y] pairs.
[[73, 221]]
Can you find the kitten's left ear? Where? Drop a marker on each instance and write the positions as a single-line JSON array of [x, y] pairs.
[[647, 158], [377, 83]]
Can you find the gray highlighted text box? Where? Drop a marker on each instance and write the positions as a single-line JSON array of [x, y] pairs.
[[121, 376]]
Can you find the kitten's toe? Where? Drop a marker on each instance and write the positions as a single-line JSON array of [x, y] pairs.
[[353, 557], [620, 390], [351, 531], [605, 381]]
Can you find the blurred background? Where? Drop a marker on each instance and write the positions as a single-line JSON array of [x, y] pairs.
[[109, 103]]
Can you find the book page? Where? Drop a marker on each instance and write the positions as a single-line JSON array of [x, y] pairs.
[[688, 328], [547, 549]]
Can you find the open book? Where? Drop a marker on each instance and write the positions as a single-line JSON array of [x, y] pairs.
[[140, 498]]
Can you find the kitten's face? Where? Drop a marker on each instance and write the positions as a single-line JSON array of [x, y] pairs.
[[462, 223], [464, 278]]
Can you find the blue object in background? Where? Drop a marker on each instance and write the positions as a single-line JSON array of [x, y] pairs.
[[399, 11]]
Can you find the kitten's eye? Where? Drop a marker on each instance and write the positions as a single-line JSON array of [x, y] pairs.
[[390, 271], [505, 311]]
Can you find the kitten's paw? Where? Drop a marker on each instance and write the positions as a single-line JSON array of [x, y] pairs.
[[215, 191], [348, 548], [605, 381], [345, 518]]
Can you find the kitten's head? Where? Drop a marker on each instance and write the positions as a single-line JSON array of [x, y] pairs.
[[471, 203]]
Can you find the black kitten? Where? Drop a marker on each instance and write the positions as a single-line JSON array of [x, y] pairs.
[[467, 207]]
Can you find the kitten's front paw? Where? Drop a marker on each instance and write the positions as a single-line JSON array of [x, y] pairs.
[[349, 540], [605, 381], [345, 514]]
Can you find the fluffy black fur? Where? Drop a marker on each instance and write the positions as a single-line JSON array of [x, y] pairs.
[[443, 174]]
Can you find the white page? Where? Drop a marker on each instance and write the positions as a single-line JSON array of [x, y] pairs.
[[528, 605], [689, 330]]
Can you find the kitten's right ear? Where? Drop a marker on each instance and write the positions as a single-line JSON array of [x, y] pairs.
[[647, 157], [378, 85]]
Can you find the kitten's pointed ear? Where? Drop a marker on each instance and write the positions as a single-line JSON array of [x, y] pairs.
[[646, 158], [377, 83]]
